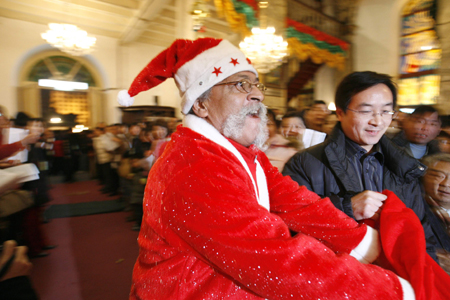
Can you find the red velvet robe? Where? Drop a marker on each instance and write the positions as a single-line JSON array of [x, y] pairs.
[[205, 236]]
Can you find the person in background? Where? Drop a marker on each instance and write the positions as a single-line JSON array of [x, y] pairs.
[[314, 116], [104, 159], [33, 232], [419, 131], [357, 162], [7, 150], [114, 146], [292, 128], [49, 140], [279, 149], [329, 123], [16, 268], [444, 142], [160, 132], [436, 187], [127, 174]]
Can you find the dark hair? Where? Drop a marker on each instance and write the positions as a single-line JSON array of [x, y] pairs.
[[319, 102], [161, 123], [357, 82], [423, 109], [294, 114], [21, 119], [272, 115], [444, 134], [445, 121], [202, 98]]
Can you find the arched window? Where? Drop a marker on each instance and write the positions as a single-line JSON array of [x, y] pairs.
[[61, 67], [420, 55], [72, 107]]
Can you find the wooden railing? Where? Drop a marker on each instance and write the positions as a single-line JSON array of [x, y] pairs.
[[309, 16]]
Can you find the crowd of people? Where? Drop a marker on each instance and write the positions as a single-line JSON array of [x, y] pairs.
[[119, 156], [235, 204]]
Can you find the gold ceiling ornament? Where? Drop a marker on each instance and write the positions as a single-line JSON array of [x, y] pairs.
[[265, 49], [69, 39], [199, 12]]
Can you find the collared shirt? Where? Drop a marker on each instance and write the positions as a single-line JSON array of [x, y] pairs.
[[367, 166]]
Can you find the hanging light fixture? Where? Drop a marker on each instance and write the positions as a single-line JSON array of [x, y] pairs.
[[265, 49], [69, 39]]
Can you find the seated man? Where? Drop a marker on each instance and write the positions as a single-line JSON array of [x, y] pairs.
[[419, 132], [357, 162], [217, 214]]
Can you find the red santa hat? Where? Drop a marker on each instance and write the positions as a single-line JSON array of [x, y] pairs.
[[196, 66]]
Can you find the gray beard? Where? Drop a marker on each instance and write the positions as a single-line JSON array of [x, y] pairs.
[[233, 126]]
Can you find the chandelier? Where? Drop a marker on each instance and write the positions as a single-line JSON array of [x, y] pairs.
[[69, 39], [265, 49]]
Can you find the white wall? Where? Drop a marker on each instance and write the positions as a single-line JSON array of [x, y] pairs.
[[17, 39], [133, 59], [325, 84], [376, 41], [376, 44], [118, 66]]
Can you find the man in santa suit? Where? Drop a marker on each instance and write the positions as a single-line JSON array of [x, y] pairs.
[[217, 214]]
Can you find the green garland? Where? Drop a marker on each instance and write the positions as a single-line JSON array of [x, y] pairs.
[[248, 11], [307, 38]]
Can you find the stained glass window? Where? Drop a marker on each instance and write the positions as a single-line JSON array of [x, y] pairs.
[[421, 54]]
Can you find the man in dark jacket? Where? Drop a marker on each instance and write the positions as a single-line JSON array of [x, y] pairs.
[[357, 162], [419, 132]]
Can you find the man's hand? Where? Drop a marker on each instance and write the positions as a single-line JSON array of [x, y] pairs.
[[20, 265], [365, 205], [30, 139]]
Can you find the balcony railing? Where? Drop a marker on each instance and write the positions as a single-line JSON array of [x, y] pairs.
[[309, 16]]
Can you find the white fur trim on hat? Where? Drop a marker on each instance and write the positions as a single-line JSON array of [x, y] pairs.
[[207, 69], [124, 98]]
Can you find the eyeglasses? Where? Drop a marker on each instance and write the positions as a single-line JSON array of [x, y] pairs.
[[371, 113], [244, 86]]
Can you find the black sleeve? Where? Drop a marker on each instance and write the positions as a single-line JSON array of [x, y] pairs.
[[294, 169], [301, 169], [17, 288]]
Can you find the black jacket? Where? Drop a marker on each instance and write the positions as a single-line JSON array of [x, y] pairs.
[[323, 170], [400, 140]]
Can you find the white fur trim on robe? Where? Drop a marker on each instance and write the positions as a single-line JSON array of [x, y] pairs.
[[202, 127], [369, 248]]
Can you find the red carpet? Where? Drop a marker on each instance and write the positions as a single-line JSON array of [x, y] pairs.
[[95, 254]]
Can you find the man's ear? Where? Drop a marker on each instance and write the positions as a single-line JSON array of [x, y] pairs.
[[339, 113], [200, 109]]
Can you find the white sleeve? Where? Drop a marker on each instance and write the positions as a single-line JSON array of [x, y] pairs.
[[369, 248]]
